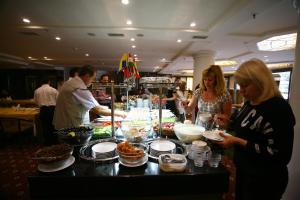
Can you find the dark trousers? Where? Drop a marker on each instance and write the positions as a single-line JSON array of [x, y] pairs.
[[46, 116], [261, 186]]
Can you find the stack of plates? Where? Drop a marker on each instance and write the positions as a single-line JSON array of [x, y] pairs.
[[159, 147], [104, 150]]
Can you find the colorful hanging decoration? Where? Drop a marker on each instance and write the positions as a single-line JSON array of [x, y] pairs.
[[128, 66]]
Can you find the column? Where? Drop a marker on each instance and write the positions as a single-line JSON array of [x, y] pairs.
[[292, 191], [202, 60]]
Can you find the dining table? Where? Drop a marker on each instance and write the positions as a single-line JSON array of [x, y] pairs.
[[20, 113]]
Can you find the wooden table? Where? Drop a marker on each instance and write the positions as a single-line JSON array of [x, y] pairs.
[[29, 114]]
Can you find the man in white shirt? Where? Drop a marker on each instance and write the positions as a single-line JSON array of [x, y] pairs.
[[75, 101], [45, 97]]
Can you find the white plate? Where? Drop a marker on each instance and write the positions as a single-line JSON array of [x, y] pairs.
[[143, 161], [162, 145], [53, 167], [214, 135], [104, 147]]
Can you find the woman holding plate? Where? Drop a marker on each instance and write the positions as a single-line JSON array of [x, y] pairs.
[[264, 132], [211, 97]]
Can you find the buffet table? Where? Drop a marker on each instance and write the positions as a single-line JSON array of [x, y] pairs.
[[90, 180]]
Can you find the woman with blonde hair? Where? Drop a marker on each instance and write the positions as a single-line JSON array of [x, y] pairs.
[[212, 96], [264, 132]]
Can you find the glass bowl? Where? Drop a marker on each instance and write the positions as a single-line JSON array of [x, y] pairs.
[[187, 133], [75, 136], [132, 153], [135, 133]]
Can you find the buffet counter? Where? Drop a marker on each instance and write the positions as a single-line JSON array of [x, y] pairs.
[[90, 180]]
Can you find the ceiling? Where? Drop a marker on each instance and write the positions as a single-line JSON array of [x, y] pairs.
[[230, 28]]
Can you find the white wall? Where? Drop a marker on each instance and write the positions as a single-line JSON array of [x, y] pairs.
[[292, 192]]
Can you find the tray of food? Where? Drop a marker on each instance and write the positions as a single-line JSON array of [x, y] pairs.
[[161, 146]]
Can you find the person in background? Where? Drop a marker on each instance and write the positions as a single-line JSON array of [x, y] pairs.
[[75, 101], [73, 72], [264, 132], [4, 95], [212, 96], [171, 101], [45, 97], [60, 82], [101, 95], [180, 98]]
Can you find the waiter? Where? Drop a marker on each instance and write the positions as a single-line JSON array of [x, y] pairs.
[[75, 101], [45, 97]]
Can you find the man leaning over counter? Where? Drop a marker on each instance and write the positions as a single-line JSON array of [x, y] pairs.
[[75, 101]]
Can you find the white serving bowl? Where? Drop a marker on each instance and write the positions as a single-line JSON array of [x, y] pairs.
[[187, 133], [205, 117]]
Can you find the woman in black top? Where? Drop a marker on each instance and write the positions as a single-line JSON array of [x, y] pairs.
[[264, 133]]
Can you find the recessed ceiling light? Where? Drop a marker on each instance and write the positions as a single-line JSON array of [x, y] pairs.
[[265, 56], [26, 20], [57, 38], [125, 2], [45, 57], [133, 46], [132, 39], [225, 62], [179, 40], [31, 58], [128, 22], [87, 55], [193, 24], [135, 55]]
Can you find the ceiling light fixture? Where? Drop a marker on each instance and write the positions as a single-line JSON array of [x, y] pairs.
[[26, 20], [87, 55], [179, 40], [128, 22], [133, 46], [280, 65], [186, 71], [278, 43], [132, 39], [57, 38], [125, 2], [135, 55], [193, 24], [225, 62], [31, 58]]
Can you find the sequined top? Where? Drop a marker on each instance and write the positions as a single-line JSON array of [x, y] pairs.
[[213, 107]]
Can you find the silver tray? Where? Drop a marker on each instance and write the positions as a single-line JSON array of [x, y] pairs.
[[180, 147], [85, 152]]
